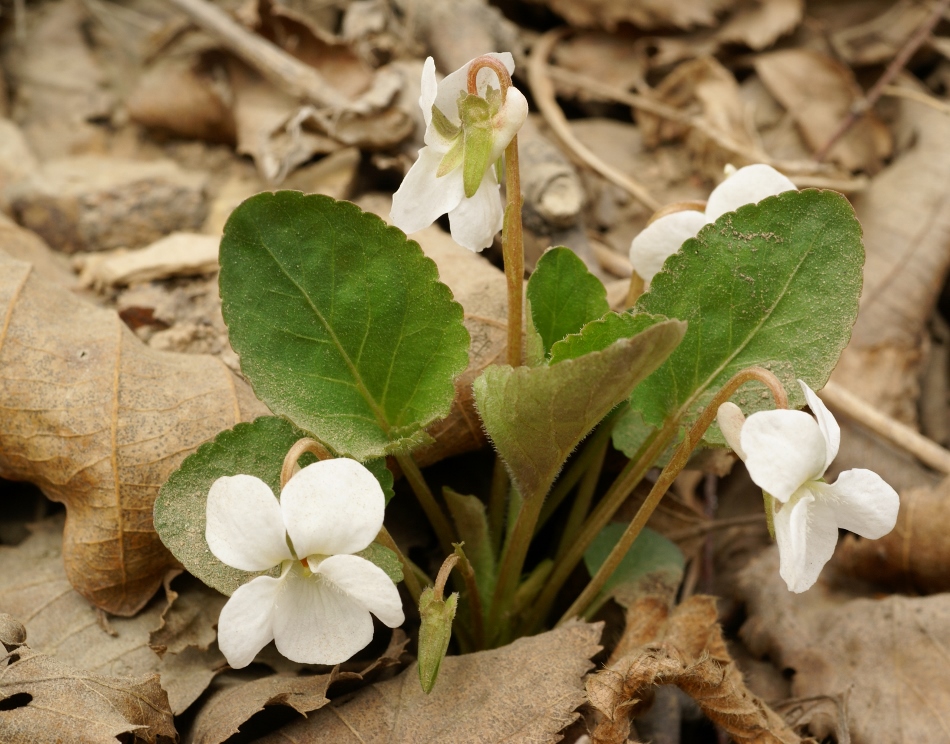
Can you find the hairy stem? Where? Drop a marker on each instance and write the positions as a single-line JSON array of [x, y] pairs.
[[430, 506]]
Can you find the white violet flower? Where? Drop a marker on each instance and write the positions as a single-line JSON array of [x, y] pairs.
[[318, 611], [786, 454], [465, 136], [663, 237]]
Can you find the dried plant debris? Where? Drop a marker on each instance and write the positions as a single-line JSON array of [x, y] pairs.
[[132, 416], [527, 691], [179, 624], [885, 657], [42, 694], [683, 648]]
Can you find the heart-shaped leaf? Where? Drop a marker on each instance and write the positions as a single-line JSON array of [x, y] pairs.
[[340, 321]]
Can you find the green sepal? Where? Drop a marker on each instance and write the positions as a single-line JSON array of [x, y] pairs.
[[443, 125], [769, 512], [477, 134], [435, 632], [452, 159]]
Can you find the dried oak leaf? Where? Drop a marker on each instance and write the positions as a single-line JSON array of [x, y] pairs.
[[646, 14], [915, 555], [33, 585], [44, 699], [228, 708], [687, 651], [98, 421], [527, 692], [887, 657]]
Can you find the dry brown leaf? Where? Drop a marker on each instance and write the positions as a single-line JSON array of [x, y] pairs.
[[759, 23], [648, 14], [915, 555], [905, 213], [99, 421], [527, 692], [227, 709], [880, 38], [687, 650], [703, 86], [819, 92], [887, 657], [46, 700], [178, 254], [59, 86], [33, 586]]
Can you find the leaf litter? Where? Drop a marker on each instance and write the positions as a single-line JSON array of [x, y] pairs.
[[737, 78]]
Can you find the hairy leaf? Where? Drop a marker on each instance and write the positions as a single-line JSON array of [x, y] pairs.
[[774, 284], [341, 322], [536, 416], [564, 296]]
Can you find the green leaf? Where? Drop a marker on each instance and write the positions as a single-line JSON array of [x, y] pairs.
[[385, 558], [435, 632], [340, 321], [536, 416], [599, 334], [257, 448], [468, 513], [774, 284], [653, 565], [564, 296]]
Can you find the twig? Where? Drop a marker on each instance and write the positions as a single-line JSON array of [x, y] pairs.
[[714, 525], [916, 95], [861, 107], [926, 450], [658, 108], [543, 90], [271, 61]]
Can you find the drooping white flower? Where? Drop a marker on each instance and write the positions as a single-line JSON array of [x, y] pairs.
[[786, 454], [663, 237], [454, 172], [318, 611]]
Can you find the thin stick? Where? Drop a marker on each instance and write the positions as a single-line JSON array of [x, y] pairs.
[[408, 567], [434, 513], [544, 97], [289, 73], [673, 468], [897, 64], [918, 96], [714, 525], [926, 450]]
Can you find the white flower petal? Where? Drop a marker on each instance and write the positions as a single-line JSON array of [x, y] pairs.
[[422, 198], [511, 117], [245, 625], [661, 239], [244, 527], [314, 623], [784, 450], [333, 506], [475, 222], [367, 584], [806, 534], [747, 185], [863, 503], [730, 419], [448, 95], [826, 422], [429, 88]]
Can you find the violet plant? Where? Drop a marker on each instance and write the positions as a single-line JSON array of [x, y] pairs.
[[346, 333]]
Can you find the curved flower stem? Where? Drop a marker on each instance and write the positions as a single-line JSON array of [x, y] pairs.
[[437, 518], [294, 453], [512, 234], [408, 567], [673, 468]]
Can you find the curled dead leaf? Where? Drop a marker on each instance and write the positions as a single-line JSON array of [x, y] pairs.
[[46, 700], [98, 421], [687, 650]]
